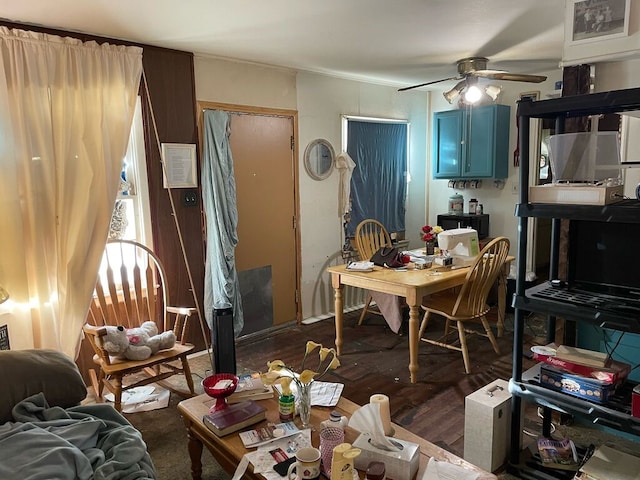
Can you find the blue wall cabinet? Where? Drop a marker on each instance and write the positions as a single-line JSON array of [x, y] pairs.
[[472, 142]]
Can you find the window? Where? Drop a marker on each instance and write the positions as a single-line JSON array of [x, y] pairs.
[[131, 219], [379, 182]]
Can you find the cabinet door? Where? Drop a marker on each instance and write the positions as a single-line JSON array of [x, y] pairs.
[[447, 140], [487, 132], [479, 126]]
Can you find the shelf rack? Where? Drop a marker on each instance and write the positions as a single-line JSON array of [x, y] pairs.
[[524, 386]]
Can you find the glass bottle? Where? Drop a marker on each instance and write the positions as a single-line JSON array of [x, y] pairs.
[[376, 471], [335, 420], [286, 407], [286, 402], [473, 204]]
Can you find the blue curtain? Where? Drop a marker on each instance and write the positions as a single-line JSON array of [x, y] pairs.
[[379, 181], [221, 289]]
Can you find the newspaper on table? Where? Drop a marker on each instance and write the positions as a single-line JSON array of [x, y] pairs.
[[323, 394], [262, 459], [264, 435]]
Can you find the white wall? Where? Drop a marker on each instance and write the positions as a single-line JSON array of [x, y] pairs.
[[240, 83], [320, 101]]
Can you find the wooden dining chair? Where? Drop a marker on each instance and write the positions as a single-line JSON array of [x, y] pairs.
[[131, 289], [468, 307], [369, 237]]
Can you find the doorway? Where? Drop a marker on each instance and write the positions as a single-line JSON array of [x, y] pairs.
[[264, 154]]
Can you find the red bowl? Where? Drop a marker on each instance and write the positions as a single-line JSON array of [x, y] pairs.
[[209, 383]]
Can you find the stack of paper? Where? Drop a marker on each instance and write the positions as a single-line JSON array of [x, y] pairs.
[[360, 266]]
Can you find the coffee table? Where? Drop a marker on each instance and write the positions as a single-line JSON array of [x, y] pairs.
[[229, 450]]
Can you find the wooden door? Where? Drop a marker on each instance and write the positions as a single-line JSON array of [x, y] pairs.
[[267, 255]]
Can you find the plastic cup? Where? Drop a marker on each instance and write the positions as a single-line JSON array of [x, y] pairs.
[[330, 437]]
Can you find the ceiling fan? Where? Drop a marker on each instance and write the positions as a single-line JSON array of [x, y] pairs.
[[472, 68]]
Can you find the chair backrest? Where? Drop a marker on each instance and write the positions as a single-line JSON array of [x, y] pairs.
[[370, 236], [131, 287], [472, 298]]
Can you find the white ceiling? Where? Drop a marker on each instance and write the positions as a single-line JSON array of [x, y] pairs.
[[393, 42]]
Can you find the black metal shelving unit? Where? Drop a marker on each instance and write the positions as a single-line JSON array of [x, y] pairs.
[[524, 385]]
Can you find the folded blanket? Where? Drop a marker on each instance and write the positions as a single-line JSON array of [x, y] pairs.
[[83, 442]]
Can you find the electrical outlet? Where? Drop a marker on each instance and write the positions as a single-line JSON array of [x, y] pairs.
[[190, 198], [515, 188]]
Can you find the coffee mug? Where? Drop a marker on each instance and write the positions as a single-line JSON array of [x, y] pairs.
[[307, 464]]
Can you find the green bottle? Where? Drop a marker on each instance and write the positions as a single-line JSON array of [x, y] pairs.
[[287, 407], [286, 402]]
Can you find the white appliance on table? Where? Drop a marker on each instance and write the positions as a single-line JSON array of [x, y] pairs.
[[461, 244]]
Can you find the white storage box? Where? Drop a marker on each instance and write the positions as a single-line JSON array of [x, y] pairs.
[[487, 424], [576, 194]]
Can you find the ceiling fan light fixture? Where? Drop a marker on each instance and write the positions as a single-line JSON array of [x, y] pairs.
[[472, 94], [493, 91], [452, 94]]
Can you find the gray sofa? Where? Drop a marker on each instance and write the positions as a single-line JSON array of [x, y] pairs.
[[46, 433]]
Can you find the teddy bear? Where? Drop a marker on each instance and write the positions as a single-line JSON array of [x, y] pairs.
[[136, 343]]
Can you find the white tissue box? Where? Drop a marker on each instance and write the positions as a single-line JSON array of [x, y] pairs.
[[399, 465]]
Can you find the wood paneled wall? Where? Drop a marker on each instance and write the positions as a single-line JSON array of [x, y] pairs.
[[171, 88]]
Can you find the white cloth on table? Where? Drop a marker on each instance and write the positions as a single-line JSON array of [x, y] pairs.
[[390, 307]]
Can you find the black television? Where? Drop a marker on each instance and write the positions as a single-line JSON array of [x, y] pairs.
[[604, 258]]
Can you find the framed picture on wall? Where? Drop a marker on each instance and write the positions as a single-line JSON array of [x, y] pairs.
[[180, 170], [596, 20], [533, 96]]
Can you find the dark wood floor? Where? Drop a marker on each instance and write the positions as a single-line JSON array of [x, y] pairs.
[[375, 360]]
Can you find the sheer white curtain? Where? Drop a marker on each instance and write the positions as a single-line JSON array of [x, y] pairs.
[[66, 109]]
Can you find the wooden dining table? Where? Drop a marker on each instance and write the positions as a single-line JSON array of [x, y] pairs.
[[413, 285]]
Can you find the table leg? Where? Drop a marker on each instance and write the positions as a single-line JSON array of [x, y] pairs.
[[414, 315], [338, 288], [195, 455]]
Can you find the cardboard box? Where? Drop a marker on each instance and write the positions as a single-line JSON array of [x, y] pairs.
[[487, 424], [399, 465], [614, 372], [575, 385]]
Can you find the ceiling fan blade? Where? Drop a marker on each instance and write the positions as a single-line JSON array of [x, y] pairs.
[[513, 77], [428, 83]]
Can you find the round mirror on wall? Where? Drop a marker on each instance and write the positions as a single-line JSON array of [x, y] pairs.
[[319, 158]]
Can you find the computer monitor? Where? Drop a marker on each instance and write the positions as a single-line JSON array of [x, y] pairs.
[[604, 258]]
